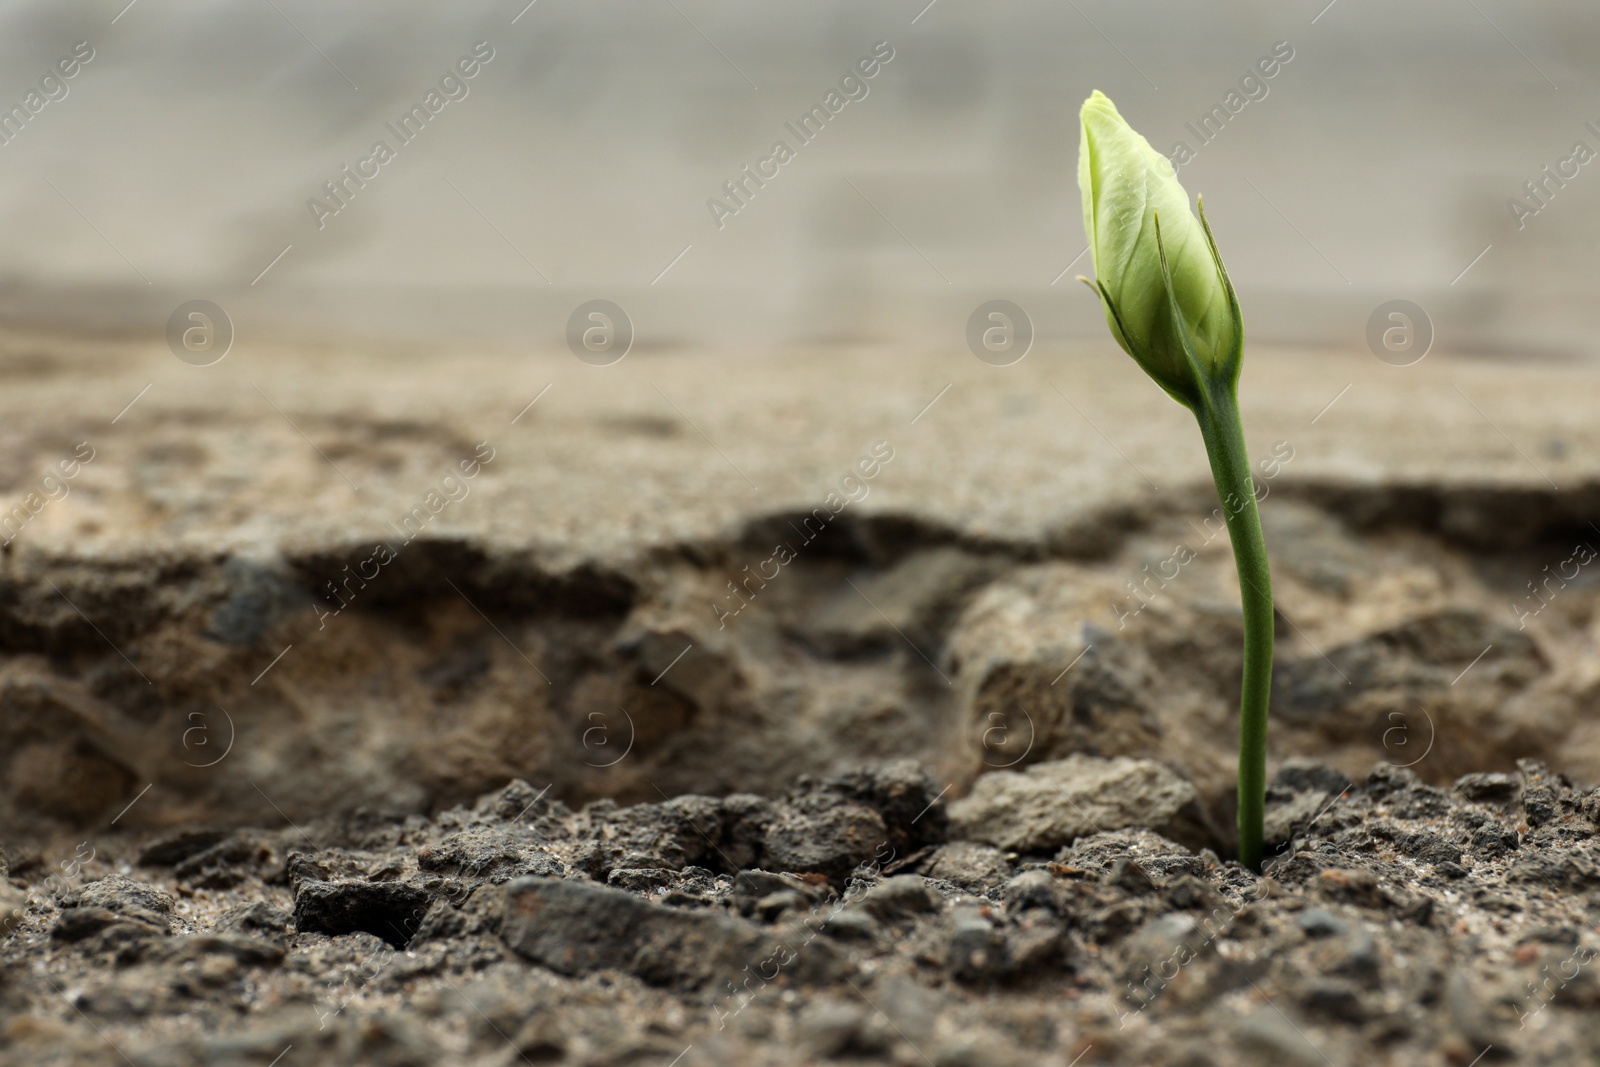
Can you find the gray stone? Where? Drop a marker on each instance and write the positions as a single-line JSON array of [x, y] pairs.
[[833, 1028], [1053, 804], [489, 854], [745, 817], [1492, 788], [179, 845], [759, 892], [1334, 1001], [1573, 870], [774, 906], [1285, 818], [1478, 1019], [1172, 937], [13, 907], [829, 838], [1271, 1040], [671, 835], [1315, 547], [391, 911], [1319, 922], [1037, 888], [974, 867], [81, 923], [1161, 858], [977, 952], [1187, 892], [903, 896], [1011, 651], [261, 591], [576, 928], [902, 792], [1299, 774], [848, 924], [256, 919], [234, 859], [520, 802], [645, 880], [201, 948], [1128, 876], [120, 893]]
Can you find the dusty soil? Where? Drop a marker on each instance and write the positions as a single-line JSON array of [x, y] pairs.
[[947, 781], [845, 921]]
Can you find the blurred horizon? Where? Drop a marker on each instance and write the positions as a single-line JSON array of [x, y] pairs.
[[1376, 163]]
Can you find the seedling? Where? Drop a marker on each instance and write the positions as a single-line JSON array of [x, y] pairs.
[[1170, 305]]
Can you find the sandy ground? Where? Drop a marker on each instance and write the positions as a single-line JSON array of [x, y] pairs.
[[268, 621], [291, 445]]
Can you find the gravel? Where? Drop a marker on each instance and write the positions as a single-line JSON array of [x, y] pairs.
[[1404, 924]]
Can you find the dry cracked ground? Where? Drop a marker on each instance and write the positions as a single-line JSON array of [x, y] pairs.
[[362, 705]]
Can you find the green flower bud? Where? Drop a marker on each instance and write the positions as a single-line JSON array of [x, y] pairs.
[[1165, 293]]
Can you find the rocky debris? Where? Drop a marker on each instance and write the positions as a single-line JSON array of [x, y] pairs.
[[490, 855], [1061, 625], [218, 954], [79, 924], [390, 911], [1302, 775], [745, 818], [1489, 788], [1173, 936], [576, 929], [900, 898], [1405, 921], [826, 834], [692, 887], [1098, 855], [904, 795], [974, 867], [835, 1029], [382, 1039], [257, 919], [1268, 1040], [828, 826], [520, 803], [117, 907], [121, 893], [1011, 652], [851, 925], [179, 845], [228, 861], [670, 835], [1299, 794], [977, 950], [768, 896], [1317, 922], [1053, 804], [13, 902], [832, 826]]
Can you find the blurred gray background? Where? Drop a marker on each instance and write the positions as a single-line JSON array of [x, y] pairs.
[[1378, 166]]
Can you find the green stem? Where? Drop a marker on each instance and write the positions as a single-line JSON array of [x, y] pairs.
[[1223, 432]]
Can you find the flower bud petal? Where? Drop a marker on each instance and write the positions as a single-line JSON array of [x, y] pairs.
[[1125, 185]]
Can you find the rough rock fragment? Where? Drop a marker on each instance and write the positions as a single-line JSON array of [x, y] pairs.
[[575, 928], [1053, 804], [120, 893], [391, 911], [974, 867]]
